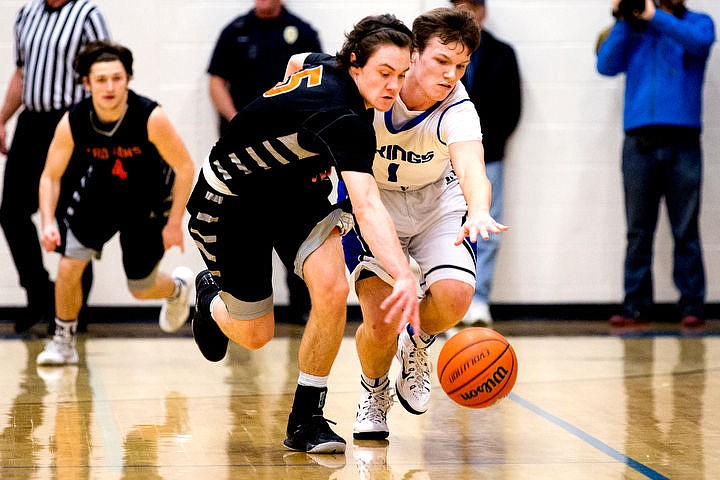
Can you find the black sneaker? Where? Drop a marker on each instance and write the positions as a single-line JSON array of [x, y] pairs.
[[211, 341], [313, 435]]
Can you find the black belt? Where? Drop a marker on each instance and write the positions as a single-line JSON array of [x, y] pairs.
[[665, 135]]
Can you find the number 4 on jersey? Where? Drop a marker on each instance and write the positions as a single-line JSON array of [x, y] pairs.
[[313, 75]]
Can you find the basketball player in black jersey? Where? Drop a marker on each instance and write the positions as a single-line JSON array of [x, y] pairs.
[[136, 178], [265, 185]]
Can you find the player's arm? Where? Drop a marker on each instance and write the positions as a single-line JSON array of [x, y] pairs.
[[468, 163], [379, 231], [172, 149], [220, 97], [59, 155]]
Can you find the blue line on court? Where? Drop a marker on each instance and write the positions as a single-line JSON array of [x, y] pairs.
[[589, 439]]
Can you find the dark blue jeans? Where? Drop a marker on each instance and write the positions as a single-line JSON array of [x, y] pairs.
[[651, 173]]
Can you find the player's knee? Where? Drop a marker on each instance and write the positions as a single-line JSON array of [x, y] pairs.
[[139, 294], [329, 291], [257, 341], [453, 299], [255, 337], [143, 288]]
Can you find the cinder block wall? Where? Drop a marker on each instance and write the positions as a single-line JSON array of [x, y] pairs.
[[563, 193]]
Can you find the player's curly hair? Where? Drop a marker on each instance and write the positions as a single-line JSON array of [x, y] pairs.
[[102, 51], [450, 25], [368, 35]]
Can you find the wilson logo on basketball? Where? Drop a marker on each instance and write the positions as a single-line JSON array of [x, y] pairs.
[[488, 385], [457, 373]]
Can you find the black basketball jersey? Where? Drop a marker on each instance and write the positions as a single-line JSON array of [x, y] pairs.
[[122, 172], [313, 121]]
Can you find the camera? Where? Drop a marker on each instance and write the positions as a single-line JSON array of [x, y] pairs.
[[627, 9]]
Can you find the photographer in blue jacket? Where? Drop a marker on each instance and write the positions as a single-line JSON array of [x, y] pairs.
[[663, 50]]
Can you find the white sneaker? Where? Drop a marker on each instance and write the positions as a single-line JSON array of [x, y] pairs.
[[478, 314], [175, 311], [61, 349], [371, 418], [413, 382]]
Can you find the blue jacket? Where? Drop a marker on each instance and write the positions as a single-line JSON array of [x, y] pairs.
[[664, 67]]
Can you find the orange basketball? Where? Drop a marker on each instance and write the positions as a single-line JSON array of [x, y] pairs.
[[477, 367]]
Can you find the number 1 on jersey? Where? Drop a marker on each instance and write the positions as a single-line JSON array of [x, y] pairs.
[[392, 172], [313, 75]]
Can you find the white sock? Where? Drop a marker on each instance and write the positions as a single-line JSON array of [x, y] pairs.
[[373, 383], [212, 306], [424, 337], [312, 380], [68, 327]]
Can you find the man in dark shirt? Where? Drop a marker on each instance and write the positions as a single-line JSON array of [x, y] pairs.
[[251, 54], [249, 58]]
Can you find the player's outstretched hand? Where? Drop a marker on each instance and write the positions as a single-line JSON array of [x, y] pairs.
[[403, 301], [481, 227]]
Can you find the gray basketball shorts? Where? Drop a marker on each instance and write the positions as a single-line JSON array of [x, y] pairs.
[[427, 222], [141, 245], [237, 232]]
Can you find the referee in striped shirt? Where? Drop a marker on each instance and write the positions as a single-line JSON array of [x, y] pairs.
[[48, 36]]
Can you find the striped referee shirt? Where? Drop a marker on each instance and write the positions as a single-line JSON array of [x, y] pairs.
[[47, 40]]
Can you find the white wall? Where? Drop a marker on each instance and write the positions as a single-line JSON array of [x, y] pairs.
[[563, 193]]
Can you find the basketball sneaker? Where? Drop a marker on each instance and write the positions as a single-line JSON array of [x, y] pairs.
[[413, 382], [176, 310], [312, 435], [211, 341], [371, 418], [61, 349]]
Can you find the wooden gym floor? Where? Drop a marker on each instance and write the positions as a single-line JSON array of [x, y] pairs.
[[589, 403]]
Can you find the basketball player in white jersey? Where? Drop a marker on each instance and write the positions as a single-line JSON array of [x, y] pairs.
[[430, 170]]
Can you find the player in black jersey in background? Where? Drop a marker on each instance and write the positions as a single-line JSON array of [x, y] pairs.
[[265, 186], [137, 176]]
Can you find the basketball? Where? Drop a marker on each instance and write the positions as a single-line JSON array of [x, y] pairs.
[[477, 367]]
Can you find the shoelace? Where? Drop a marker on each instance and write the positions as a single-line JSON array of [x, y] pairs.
[[418, 358], [322, 420], [375, 406]]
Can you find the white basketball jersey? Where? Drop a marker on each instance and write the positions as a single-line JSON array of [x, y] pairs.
[[412, 147]]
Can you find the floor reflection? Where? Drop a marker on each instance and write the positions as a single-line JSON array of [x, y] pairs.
[[261, 392], [665, 437], [140, 458], [136, 408], [19, 452], [71, 440]]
